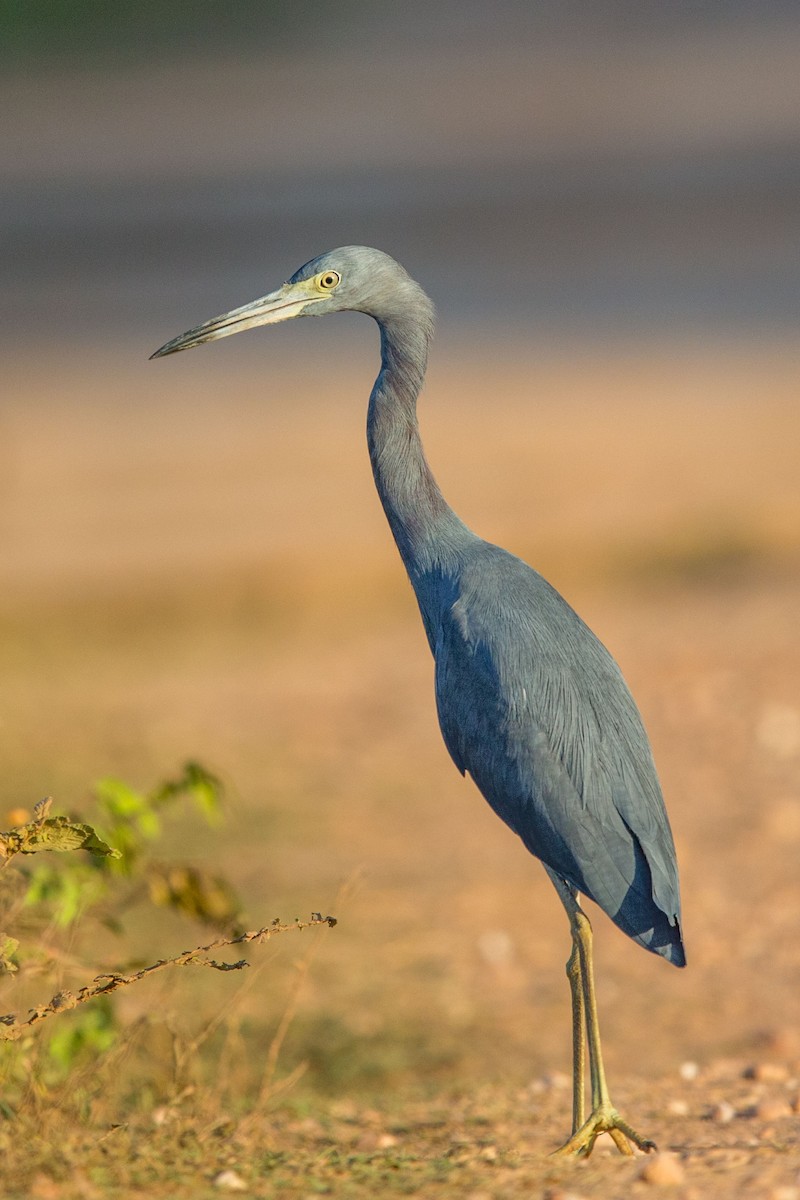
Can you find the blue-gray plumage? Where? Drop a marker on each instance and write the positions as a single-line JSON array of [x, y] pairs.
[[531, 705]]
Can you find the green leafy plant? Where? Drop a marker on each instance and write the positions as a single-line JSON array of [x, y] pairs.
[[57, 903], [126, 824]]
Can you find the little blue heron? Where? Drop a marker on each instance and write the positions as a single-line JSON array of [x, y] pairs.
[[530, 703]]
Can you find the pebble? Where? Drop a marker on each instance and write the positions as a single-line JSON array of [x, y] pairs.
[[772, 1110], [778, 730], [44, 1188], [496, 948], [386, 1141], [688, 1071], [229, 1181], [678, 1108], [309, 1125], [663, 1170], [783, 1041], [767, 1072], [725, 1159], [556, 1081], [344, 1110], [723, 1112], [553, 1081]]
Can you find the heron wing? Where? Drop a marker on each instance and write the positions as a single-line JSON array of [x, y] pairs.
[[535, 709]]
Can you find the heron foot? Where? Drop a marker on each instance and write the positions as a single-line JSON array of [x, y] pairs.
[[603, 1119]]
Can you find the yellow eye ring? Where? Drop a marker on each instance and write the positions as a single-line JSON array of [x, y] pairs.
[[328, 280]]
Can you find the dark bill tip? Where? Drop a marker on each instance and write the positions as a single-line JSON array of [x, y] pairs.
[[184, 342]]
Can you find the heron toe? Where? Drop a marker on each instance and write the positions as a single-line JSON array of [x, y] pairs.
[[604, 1119]]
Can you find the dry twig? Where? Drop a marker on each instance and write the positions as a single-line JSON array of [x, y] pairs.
[[102, 985]]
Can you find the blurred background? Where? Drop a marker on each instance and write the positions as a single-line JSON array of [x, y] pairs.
[[603, 200], [592, 167]]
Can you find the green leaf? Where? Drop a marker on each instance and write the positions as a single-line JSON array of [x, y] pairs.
[[60, 833], [205, 789], [8, 946], [67, 890], [89, 1031], [197, 782], [120, 801], [194, 892]]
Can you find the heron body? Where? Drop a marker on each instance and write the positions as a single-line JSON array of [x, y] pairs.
[[530, 703]]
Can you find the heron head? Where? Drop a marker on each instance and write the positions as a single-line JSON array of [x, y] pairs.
[[353, 277]]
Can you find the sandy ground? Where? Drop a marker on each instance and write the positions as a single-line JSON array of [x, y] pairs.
[[194, 563]]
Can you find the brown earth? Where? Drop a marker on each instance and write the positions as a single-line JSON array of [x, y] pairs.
[[194, 563]]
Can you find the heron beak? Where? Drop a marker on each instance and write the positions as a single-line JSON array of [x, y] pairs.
[[289, 301]]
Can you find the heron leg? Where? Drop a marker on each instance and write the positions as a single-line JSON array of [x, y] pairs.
[[603, 1117], [575, 976]]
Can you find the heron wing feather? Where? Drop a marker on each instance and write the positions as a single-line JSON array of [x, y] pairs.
[[536, 710]]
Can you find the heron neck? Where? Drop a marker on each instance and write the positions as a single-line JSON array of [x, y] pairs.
[[424, 526]]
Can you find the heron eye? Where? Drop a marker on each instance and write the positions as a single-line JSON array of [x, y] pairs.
[[328, 280]]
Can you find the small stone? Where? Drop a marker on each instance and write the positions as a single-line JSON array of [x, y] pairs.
[[723, 1112], [723, 1158], [689, 1071], [42, 1187], [778, 730], [309, 1125], [662, 1170], [386, 1141], [488, 1154], [678, 1108], [496, 948], [773, 1110], [767, 1072], [229, 1181], [556, 1081], [344, 1110], [782, 1041]]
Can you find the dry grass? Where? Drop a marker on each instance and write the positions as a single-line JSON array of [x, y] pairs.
[[189, 569]]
